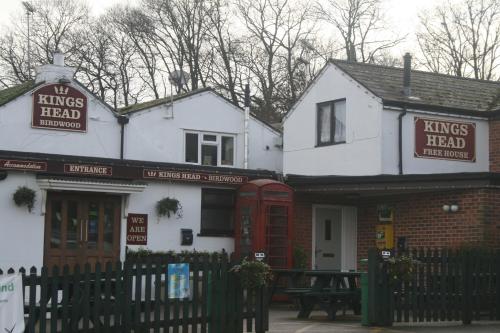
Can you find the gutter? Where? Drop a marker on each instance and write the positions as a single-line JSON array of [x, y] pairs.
[[400, 139], [122, 120]]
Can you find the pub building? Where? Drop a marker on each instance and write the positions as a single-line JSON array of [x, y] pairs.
[[98, 173], [394, 158], [370, 156]]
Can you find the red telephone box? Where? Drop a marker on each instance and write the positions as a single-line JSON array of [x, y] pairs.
[[264, 222]]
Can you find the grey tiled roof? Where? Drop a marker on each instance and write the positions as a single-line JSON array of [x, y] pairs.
[[427, 89]]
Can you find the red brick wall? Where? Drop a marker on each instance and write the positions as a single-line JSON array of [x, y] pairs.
[[495, 145], [302, 227], [418, 217]]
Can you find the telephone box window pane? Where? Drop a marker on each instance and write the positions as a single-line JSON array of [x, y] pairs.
[[56, 223], [227, 150], [246, 232], [209, 155], [72, 233], [191, 147], [328, 230], [217, 212]]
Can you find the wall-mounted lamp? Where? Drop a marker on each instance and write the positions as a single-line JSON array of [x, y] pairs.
[[453, 208]]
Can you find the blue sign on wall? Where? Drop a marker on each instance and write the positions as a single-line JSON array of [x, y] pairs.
[[178, 280]]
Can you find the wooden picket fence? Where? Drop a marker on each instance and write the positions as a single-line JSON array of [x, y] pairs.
[[444, 285], [133, 297]]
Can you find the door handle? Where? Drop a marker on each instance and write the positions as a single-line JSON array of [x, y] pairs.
[[86, 230], [81, 230]]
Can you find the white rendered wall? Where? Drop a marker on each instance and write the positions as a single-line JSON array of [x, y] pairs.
[[362, 152], [21, 235], [414, 165], [153, 135], [164, 234], [102, 138]]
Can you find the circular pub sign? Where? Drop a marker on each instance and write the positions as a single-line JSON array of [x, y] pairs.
[[59, 107]]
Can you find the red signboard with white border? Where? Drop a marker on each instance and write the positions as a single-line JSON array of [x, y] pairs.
[[59, 107], [137, 229], [445, 139]]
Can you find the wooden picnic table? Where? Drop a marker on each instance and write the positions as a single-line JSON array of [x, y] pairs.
[[289, 277], [331, 290]]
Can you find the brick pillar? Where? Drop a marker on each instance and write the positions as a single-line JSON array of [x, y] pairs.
[[495, 145]]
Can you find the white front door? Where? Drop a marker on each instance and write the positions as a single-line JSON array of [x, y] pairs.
[[335, 238], [328, 238]]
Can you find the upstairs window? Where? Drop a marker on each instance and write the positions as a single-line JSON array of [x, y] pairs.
[[209, 149], [331, 122]]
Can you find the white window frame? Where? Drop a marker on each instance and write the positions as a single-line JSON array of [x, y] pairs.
[[217, 142]]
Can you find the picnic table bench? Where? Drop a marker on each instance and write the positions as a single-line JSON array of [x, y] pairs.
[[331, 290]]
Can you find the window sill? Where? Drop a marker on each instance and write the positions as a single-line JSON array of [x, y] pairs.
[[329, 144], [208, 234]]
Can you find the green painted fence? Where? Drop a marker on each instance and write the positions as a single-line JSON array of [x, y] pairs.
[[444, 285], [133, 297]]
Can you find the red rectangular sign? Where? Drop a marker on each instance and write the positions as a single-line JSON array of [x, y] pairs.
[[61, 107], [446, 140], [194, 177], [137, 229], [86, 169], [23, 165]]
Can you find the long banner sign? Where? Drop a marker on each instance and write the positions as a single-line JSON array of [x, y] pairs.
[[193, 177], [121, 172]]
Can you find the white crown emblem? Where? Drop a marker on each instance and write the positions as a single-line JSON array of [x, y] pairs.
[[61, 90]]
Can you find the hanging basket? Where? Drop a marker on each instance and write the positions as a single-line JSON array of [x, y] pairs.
[[24, 196], [168, 207]]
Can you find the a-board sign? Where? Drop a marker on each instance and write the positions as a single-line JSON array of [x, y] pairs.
[[11, 303], [137, 229], [445, 140], [178, 281], [59, 107]]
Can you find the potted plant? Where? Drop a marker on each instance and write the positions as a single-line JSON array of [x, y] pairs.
[[168, 207], [252, 274], [24, 196], [401, 268]]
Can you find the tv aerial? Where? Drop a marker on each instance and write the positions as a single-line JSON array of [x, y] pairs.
[[178, 78]]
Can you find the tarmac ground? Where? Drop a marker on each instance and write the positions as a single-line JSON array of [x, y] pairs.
[[283, 319]]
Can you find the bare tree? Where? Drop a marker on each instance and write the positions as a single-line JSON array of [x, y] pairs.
[[462, 40], [53, 24], [360, 26], [180, 35], [226, 52]]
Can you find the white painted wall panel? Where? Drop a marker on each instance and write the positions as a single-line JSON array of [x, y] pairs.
[[414, 165], [153, 135], [101, 140], [164, 234], [362, 152], [21, 232]]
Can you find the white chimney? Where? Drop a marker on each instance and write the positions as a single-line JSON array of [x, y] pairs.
[[58, 58], [56, 72]]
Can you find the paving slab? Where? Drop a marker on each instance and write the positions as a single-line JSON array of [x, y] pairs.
[[283, 319]]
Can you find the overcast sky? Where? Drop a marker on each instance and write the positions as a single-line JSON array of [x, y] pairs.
[[401, 14]]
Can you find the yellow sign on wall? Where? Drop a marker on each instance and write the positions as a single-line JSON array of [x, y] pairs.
[[384, 236]]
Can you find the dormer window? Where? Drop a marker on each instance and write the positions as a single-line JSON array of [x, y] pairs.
[[330, 119], [209, 149]]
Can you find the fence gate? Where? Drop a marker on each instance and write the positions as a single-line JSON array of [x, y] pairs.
[[134, 297], [444, 285]]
